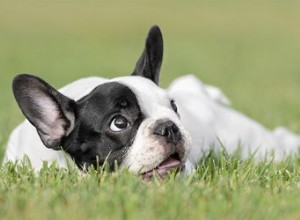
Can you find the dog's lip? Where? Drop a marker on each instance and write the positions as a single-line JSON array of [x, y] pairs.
[[171, 162]]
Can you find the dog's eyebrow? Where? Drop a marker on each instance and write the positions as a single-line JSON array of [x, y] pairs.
[[122, 103]]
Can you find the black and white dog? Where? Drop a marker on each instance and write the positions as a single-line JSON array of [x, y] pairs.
[[132, 122]]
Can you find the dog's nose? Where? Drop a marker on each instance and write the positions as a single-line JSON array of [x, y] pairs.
[[168, 130]]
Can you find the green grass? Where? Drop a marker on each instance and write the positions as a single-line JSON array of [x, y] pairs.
[[250, 50], [223, 188]]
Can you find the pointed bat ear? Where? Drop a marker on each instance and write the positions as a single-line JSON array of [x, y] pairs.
[[50, 112], [150, 61]]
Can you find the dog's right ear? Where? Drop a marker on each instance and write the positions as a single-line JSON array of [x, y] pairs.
[[52, 113], [150, 61]]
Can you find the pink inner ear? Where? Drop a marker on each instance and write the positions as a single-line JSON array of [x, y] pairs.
[[51, 111], [50, 123]]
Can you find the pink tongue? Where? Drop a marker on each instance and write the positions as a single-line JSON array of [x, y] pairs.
[[163, 167], [168, 164]]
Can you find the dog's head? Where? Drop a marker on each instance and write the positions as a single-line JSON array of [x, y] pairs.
[[127, 120]]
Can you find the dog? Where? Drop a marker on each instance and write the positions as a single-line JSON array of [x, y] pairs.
[[133, 123]]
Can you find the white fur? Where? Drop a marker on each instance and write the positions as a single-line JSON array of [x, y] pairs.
[[211, 124], [203, 113]]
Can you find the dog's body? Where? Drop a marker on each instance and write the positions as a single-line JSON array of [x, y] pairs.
[[134, 123]]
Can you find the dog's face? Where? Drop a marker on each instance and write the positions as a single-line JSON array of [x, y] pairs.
[[128, 121]]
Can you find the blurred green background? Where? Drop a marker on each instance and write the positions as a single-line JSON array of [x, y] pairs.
[[250, 50]]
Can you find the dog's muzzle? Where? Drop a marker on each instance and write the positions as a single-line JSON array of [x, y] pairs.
[[169, 133]]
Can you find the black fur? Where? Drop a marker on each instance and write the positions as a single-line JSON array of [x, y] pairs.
[[150, 61], [92, 140]]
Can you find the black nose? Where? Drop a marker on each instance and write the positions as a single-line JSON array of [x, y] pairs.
[[168, 130]]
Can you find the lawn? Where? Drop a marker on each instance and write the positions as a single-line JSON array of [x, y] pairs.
[[250, 50]]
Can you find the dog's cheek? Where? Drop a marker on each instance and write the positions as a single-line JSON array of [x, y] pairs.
[[145, 152], [186, 142]]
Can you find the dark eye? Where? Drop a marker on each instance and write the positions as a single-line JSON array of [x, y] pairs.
[[119, 123], [173, 105]]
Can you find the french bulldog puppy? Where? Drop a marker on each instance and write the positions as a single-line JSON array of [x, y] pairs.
[[133, 123]]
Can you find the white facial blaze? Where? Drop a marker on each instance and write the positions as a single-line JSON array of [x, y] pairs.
[[147, 150]]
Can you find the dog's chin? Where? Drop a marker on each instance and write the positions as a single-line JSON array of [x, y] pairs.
[[172, 162]]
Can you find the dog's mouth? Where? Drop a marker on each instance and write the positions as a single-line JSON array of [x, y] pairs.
[[170, 163]]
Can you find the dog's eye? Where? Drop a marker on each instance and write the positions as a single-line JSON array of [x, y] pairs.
[[173, 105], [119, 123]]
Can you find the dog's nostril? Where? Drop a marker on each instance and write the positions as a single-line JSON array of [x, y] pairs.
[[175, 128], [169, 130], [164, 128]]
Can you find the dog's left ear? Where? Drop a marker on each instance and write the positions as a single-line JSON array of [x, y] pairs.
[[49, 111], [150, 61]]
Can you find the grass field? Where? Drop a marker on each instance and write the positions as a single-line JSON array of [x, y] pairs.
[[250, 50]]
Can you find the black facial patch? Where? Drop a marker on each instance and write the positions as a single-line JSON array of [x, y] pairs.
[[92, 141]]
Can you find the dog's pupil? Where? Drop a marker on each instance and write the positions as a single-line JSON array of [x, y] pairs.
[[121, 122]]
